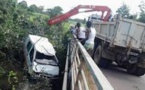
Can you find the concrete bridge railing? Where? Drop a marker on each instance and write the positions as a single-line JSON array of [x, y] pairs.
[[81, 72]]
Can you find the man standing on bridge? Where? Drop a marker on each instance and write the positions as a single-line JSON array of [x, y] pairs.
[[80, 33], [90, 36]]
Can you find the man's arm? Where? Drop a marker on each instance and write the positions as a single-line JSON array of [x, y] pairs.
[[77, 32], [87, 33]]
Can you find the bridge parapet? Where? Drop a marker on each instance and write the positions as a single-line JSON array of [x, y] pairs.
[[81, 71]]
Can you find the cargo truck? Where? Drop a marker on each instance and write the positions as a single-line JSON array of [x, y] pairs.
[[121, 41]]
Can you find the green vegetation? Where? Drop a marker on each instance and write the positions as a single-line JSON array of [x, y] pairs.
[[17, 20], [124, 11], [142, 14]]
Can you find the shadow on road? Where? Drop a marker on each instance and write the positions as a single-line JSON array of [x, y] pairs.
[[121, 80]]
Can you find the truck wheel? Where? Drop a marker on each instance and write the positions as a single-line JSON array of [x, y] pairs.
[[140, 71], [99, 60], [135, 70], [97, 56], [131, 70]]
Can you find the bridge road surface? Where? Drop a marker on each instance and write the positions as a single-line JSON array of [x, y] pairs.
[[121, 80]]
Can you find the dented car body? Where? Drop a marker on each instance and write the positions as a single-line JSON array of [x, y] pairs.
[[40, 57]]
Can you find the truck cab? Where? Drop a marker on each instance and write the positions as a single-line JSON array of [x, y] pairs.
[[40, 57], [94, 17]]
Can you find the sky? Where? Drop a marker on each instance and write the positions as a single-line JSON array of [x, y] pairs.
[[67, 5]]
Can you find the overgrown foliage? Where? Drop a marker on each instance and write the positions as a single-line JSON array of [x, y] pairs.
[[17, 20]]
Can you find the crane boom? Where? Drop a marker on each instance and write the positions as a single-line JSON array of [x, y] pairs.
[[75, 11]]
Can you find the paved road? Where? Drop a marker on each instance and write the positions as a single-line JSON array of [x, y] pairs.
[[121, 80]]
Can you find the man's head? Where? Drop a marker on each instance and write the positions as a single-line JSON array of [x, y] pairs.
[[89, 24], [78, 25]]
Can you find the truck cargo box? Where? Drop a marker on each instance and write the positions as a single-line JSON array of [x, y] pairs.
[[124, 33]]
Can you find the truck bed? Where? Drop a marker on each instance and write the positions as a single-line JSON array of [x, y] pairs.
[[123, 33]]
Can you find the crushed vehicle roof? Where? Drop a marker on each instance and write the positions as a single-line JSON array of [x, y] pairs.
[[42, 45]]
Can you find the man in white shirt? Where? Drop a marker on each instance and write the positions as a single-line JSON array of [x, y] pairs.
[[80, 33], [90, 36]]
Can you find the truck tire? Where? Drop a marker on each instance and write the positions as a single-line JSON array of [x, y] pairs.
[[99, 60], [97, 55], [135, 70], [140, 71]]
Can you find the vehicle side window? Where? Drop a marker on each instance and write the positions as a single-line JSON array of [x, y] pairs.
[[31, 54], [29, 45]]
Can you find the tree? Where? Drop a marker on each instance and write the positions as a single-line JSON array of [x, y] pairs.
[[54, 11], [23, 4], [142, 6], [40, 9], [33, 8], [124, 11], [142, 14], [15, 23]]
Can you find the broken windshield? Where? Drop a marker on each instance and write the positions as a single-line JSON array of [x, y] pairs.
[[45, 59], [43, 56]]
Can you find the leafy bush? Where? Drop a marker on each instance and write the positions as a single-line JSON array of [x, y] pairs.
[[16, 22]]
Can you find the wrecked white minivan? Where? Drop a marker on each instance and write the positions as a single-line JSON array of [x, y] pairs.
[[40, 57]]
